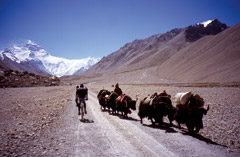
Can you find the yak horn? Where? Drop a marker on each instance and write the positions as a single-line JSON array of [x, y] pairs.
[[208, 108], [137, 96]]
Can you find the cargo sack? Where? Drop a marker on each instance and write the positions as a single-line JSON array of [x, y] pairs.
[[147, 100], [182, 98]]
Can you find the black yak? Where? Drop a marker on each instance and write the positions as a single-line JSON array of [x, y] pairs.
[[102, 98], [124, 103], [156, 107], [191, 116], [111, 102]]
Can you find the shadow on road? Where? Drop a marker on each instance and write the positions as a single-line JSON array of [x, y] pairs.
[[164, 126], [128, 118], [200, 137], [86, 120], [169, 129], [122, 117]]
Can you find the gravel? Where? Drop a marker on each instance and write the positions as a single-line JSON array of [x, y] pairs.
[[28, 117]]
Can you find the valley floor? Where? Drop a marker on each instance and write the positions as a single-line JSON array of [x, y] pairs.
[[43, 121]]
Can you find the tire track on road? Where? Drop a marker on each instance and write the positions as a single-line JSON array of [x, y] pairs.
[[124, 137]]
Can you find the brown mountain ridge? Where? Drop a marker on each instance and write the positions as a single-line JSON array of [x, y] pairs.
[[212, 55], [213, 58]]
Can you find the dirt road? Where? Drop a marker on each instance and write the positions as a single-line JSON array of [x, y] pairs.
[[103, 134]]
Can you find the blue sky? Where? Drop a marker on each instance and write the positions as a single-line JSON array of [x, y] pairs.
[[76, 29]]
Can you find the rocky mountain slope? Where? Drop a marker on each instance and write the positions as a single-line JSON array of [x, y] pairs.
[[212, 58], [195, 32], [137, 54], [10, 78], [33, 58], [181, 55]]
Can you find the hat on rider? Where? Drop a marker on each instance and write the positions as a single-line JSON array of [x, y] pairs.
[[81, 85]]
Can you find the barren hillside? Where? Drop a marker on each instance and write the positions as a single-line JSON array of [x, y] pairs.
[[210, 59], [170, 56], [141, 54]]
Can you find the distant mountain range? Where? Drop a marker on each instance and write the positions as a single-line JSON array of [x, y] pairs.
[[204, 52], [33, 58]]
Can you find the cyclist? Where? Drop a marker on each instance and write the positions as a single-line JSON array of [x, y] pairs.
[[82, 96]]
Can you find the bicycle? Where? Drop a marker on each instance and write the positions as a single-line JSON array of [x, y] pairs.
[[81, 110]]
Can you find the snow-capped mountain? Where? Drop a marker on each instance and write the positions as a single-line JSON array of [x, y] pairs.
[[33, 58], [205, 23], [210, 27]]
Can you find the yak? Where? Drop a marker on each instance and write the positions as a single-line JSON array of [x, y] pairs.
[[158, 107], [111, 102], [102, 98], [124, 103], [163, 107], [146, 108], [191, 114]]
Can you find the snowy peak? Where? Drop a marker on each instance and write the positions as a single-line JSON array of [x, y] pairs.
[[35, 48], [205, 23], [210, 27], [33, 54], [29, 42], [22, 53]]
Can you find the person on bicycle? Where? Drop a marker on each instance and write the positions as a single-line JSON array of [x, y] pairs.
[[82, 96]]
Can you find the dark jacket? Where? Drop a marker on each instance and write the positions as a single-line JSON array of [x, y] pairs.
[[82, 92]]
